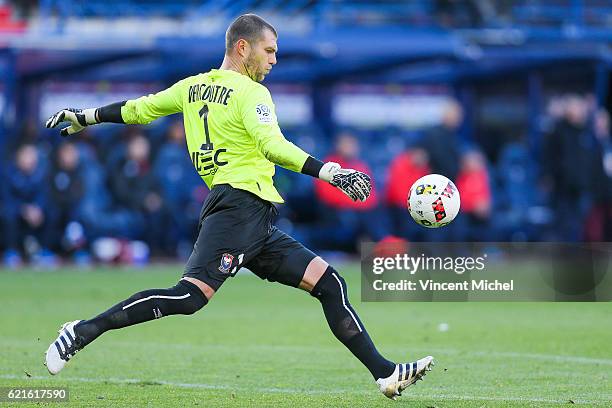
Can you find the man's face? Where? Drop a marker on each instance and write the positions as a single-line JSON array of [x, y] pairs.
[[262, 56], [27, 159]]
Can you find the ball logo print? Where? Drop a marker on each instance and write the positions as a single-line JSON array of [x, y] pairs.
[[439, 210], [425, 189], [438, 207], [449, 190]]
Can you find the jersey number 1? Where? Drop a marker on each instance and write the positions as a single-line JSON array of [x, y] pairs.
[[204, 115]]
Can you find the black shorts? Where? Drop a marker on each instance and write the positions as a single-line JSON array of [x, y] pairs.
[[236, 231]]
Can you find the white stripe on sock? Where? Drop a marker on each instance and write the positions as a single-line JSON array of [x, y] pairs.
[[156, 297], [344, 303]]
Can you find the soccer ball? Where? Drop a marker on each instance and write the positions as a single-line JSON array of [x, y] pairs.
[[433, 201]]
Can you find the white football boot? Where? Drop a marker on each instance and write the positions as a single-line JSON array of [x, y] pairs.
[[405, 374], [62, 349]]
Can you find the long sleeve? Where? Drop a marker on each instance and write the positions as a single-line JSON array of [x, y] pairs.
[[260, 122], [148, 108]]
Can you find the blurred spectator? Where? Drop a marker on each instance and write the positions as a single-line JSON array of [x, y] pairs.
[[88, 146], [473, 185], [182, 189], [114, 149], [134, 187], [441, 143], [604, 137], [555, 111], [598, 226], [132, 182], [66, 191], [569, 165], [518, 201], [343, 219], [27, 134], [405, 169], [346, 154], [24, 210]]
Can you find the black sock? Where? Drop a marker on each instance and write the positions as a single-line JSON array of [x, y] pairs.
[[346, 326], [184, 298]]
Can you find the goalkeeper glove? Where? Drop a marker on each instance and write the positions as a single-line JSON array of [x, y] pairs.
[[353, 183], [77, 118]]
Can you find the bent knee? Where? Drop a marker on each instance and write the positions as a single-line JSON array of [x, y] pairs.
[[193, 300], [330, 285], [313, 273], [204, 288]]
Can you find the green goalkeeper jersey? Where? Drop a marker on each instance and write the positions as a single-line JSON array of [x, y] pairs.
[[232, 132]]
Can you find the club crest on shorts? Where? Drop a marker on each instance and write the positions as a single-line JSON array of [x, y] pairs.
[[226, 263]]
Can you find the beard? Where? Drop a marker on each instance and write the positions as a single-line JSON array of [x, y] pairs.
[[253, 69]]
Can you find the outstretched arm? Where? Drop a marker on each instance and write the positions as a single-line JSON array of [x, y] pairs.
[[81, 118], [137, 111], [260, 121]]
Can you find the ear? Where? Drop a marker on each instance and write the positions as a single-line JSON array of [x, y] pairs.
[[243, 48]]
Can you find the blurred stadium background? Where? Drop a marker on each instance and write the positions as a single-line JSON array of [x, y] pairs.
[[510, 99]]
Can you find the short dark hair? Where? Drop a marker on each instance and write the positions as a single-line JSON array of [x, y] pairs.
[[249, 27]]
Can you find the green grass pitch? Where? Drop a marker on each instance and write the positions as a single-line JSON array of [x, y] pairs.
[[261, 344]]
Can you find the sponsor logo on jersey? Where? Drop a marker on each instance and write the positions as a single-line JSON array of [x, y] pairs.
[[207, 162], [264, 113], [226, 263]]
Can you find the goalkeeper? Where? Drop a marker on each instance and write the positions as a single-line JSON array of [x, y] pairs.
[[234, 142]]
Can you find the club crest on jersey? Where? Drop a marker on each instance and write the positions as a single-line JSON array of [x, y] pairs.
[[226, 263]]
